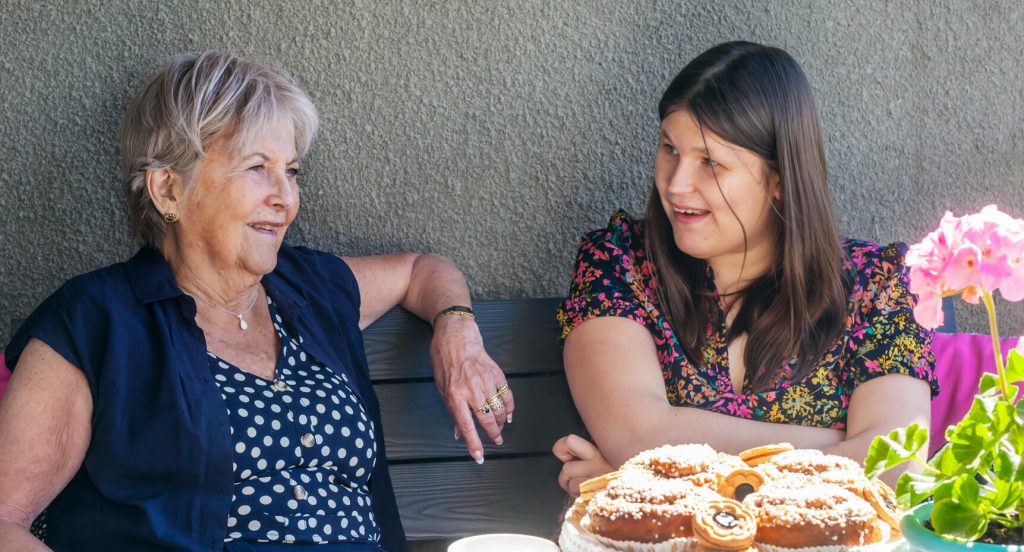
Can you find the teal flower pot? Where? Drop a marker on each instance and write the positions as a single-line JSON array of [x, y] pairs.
[[920, 538]]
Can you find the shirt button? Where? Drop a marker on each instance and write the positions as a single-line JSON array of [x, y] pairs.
[[299, 493], [279, 385], [307, 440]]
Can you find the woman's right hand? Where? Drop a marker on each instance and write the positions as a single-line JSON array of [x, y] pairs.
[[581, 460]]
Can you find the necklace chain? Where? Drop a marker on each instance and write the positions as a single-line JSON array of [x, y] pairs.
[[239, 315]]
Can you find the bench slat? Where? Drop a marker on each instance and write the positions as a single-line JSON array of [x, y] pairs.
[[442, 494], [448, 500], [417, 424], [520, 335]]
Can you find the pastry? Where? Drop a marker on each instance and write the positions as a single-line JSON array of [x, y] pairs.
[[757, 455], [724, 524], [796, 516], [737, 484]]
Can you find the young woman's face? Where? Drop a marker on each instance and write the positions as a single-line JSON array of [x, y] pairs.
[[708, 217]]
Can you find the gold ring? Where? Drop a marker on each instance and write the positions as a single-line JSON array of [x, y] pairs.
[[496, 403], [485, 409], [504, 389]]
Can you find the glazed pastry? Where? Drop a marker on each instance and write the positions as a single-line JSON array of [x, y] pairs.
[[796, 516], [813, 462], [639, 506], [815, 466], [713, 474], [724, 524], [738, 484], [758, 455], [674, 460]]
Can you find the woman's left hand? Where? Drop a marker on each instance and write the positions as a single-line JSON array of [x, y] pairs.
[[469, 382], [581, 460]]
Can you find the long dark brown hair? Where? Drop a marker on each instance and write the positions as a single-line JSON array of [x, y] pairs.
[[757, 97]]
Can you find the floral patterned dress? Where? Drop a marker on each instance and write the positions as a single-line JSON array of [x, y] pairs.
[[613, 277]]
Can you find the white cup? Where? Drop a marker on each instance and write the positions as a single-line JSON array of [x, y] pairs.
[[503, 542]]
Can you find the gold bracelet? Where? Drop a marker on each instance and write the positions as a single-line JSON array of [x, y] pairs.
[[455, 310]]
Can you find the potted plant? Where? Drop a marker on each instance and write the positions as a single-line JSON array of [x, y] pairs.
[[976, 481]]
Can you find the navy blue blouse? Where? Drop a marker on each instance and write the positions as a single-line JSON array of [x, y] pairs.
[[158, 471], [303, 450]]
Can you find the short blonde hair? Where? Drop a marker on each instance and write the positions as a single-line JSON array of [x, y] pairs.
[[191, 101]]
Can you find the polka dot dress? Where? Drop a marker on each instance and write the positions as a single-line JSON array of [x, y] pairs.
[[304, 450]]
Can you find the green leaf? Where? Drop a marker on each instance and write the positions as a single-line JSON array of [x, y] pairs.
[[912, 488], [1004, 416], [967, 445], [1007, 465], [970, 438], [1007, 497], [944, 490], [888, 451], [967, 491], [954, 519], [1014, 367], [989, 384], [1015, 438], [945, 462], [981, 409]]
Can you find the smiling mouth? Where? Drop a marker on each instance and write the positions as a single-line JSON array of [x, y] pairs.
[[265, 228], [691, 212]]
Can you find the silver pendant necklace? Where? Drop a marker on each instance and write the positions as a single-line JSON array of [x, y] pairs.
[[239, 315]]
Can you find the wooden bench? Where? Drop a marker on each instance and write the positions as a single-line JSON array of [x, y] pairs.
[[442, 493]]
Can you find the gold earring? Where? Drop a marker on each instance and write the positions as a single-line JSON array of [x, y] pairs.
[[170, 217]]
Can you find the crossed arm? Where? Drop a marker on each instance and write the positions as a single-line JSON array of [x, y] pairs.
[[617, 385]]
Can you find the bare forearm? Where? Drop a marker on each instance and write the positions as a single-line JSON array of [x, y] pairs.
[[677, 425], [15, 538], [434, 285], [877, 407]]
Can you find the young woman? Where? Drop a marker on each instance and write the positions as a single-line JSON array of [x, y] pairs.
[[733, 314]]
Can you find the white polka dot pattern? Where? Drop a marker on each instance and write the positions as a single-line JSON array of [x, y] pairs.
[[302, 456]]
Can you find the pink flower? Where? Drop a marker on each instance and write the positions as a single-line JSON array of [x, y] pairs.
[[962, 270], [1013, 288], [969, 255], [928, 311]]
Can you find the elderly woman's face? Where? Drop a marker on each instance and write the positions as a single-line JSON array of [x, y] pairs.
[[242, 202]]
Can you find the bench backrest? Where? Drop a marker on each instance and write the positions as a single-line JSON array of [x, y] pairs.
[[442, 493]]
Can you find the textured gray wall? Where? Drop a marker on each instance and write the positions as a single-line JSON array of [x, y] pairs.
[[496, 133]]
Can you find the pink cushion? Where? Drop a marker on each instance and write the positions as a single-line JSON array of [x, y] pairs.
[[960, 360], [5, 375]]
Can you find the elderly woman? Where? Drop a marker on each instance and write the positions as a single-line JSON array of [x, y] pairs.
[[212, 392]]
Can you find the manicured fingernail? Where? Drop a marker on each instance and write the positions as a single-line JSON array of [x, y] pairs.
[[456, 434], [478, 456], [508, 419], [499, 441]]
